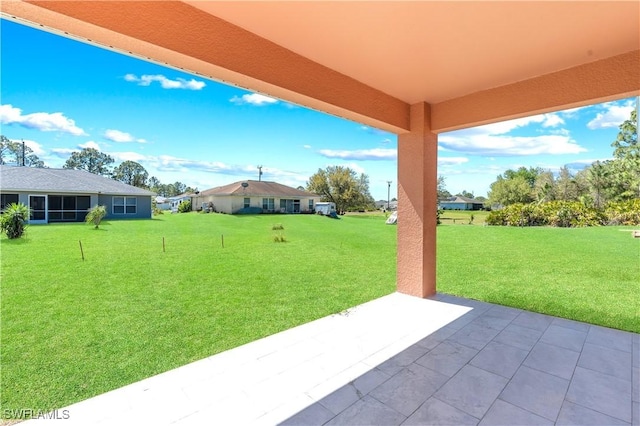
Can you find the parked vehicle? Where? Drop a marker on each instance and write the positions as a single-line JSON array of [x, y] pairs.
[[325, 208]]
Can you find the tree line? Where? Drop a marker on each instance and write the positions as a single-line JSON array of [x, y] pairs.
[[96, 162], [614, 180]]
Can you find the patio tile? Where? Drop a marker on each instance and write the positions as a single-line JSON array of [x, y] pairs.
[[337, 401], [434, 339], [313, 415], [610, 338], [533, 320], [553, 360], [402, 360], [564, 337], [606, 360], [518, 336], [505, 312], [503, 413], [573, 325], [601, 392], [537, 392], [348, 394], [472, 390], [464, 320], [447, 358], [368, 411], [576, 415], [500, 359], [409, 389], [635, 380], [490, 321], [474, 335], [436, 412]]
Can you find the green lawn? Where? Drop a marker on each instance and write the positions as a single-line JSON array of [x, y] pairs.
[[586, 274], [72, 329]]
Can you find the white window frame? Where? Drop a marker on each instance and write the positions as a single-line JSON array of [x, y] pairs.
[[124, 205]]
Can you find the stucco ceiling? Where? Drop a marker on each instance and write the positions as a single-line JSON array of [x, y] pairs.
[[472, 62], [438, 50]]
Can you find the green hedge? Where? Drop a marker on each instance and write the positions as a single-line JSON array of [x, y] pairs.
[[566, 214]]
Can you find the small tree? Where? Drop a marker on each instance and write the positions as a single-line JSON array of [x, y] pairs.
[[13, 220], [184, 207], [95, 215]]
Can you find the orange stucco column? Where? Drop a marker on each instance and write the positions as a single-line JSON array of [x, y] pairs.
[[417, 204]]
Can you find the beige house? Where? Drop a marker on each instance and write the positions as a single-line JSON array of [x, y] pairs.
[[252, 196]]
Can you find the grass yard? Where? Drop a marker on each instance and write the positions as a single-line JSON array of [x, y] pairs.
[[585, 274], [72, 329], [463, 217]]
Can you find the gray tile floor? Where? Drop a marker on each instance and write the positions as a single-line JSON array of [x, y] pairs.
[[495, 366]]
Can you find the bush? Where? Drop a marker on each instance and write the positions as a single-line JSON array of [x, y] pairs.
[[277, 227], [13, 220], [279, 238], [564, 214], [184, 207], [623, 212], [95, 215]]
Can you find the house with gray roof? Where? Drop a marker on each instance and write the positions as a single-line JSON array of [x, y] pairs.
[[254, 196], [65, 195], [461, 203]]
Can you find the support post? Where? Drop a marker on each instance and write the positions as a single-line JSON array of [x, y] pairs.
[[417, 205]]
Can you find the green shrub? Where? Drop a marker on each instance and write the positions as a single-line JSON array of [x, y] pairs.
[[563, 214], [184, 207], [279, 238], [277, 227], [623, 212], [13, 220], [95, 215]]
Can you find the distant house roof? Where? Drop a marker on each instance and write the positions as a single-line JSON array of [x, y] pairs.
[[257, 188], [24, 179], [461, 200]]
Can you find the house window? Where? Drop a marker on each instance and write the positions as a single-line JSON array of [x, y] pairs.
[[6, 199], [247, 203], [311, 204], [124, 205], [268, 204]]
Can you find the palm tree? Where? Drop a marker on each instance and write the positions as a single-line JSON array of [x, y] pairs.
[[95, 215], [13, 220]]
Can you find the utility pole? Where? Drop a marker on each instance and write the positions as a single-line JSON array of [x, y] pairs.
[[23, 153], [259, 173], [388, 193]]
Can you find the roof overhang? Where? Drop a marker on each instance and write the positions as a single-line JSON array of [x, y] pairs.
[[473, 62]]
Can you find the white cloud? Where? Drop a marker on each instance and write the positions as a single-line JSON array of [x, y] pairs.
[[43, 121], [35, 146], [253, 99], [452, 161], [165, 83], [355, 167], [89, 144], [361, 154], [614, 116], [493, 139], [63, 152], [552, 120], [130, 156], [121, 137], [497, 146], [306, 146]]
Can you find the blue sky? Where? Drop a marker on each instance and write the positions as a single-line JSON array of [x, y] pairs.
[[60, 95]]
